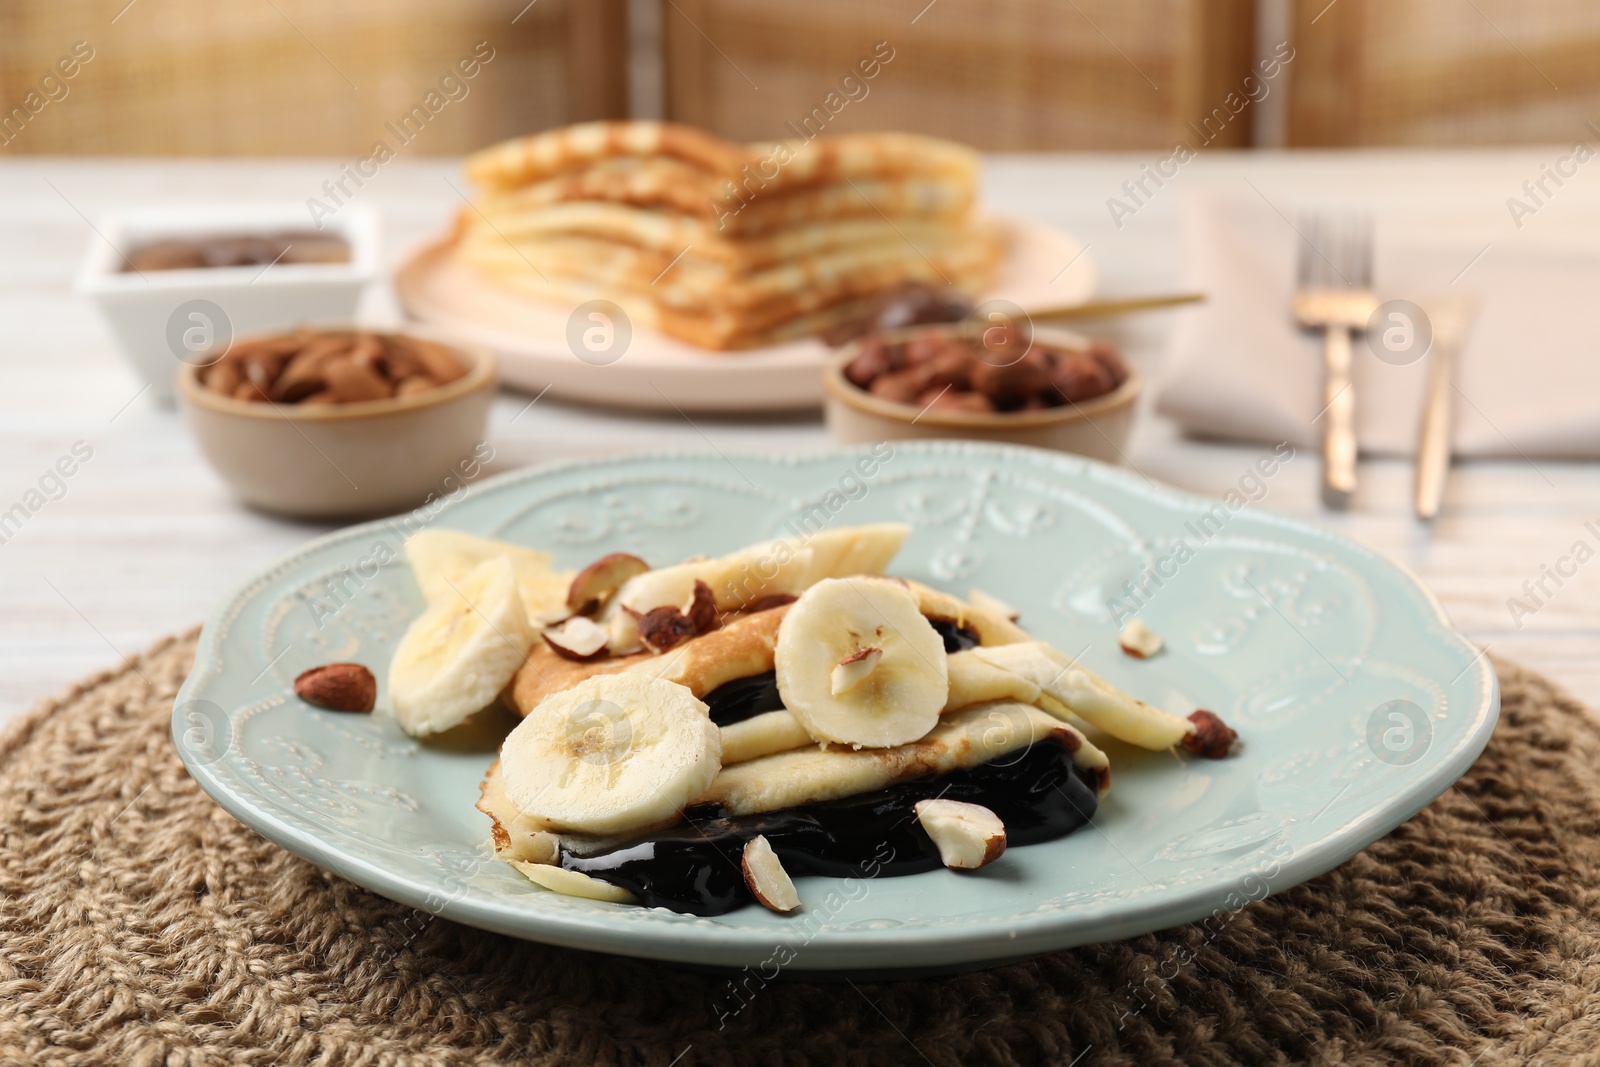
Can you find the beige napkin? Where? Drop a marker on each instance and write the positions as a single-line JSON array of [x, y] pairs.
[[1528, 371]]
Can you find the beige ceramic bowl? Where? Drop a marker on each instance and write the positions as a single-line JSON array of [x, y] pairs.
[[1095, 428], [344, 460]]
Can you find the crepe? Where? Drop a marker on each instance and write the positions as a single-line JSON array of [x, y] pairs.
[[963, 739], [767, 166], [680, 189]]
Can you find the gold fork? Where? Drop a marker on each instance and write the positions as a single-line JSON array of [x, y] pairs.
[[1334, 294]]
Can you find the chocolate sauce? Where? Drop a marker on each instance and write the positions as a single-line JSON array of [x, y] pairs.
[[743, 698], [956, 638], [1039, 793]]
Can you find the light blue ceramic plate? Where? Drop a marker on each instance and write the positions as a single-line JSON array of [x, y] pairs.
[[1356, 701]]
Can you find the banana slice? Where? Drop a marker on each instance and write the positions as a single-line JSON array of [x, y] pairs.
[[857, 663], [440, 557], [461, 652], [1067, 685], [615, 752]]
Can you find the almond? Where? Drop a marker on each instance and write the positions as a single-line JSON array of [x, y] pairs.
[[901, 386], [594, 586], [417, 383], [579, 638], [353, 382], [338, 687], [223, 377], [438, 361], [968, 836], [768, 882], [874, 358], [1138, 641]]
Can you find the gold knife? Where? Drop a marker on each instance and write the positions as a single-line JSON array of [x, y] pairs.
[[1096, 309], [1451, 321]]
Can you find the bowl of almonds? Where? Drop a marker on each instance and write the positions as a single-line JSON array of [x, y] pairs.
[[336, 423], [1048, 389]]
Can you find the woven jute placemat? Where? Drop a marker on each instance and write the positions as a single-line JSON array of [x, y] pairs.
[[141, 925]]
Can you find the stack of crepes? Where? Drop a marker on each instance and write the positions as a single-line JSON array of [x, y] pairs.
[[724, 245]]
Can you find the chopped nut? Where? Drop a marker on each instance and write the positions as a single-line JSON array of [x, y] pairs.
[[579, 638], [873, 359], [1081, 377], [902, 386], [663, 628], [702, 611], [1011, 384], [1211, 737], [1137, 640], [769, 883], [855, 669], [594, 586], [968, 836]]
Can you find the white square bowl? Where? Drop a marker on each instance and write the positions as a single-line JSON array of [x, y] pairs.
[[164, 317]]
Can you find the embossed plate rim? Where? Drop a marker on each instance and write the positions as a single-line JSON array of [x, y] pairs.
[[973, 942]]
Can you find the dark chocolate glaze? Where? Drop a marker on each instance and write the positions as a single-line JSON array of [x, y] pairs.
[[956, 638], [1038, 792], [742, 698]]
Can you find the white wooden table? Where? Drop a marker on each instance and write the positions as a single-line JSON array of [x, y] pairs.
[[146, 539]]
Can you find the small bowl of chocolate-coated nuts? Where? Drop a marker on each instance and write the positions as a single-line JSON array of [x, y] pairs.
[[1000, 382]]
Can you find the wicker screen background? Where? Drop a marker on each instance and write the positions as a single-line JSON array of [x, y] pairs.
[[311, 77]]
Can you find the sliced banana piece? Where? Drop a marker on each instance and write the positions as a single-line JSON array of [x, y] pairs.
[[572, 883], [837, 627], [459, 654], [615, 752], [1087, 695], [439, 557]]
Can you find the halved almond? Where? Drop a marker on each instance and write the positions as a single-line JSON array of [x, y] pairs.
[[597, 583], [579, 638], [769, 883], [1137, 640], [854, 669], [968, 836], [702, 609]]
